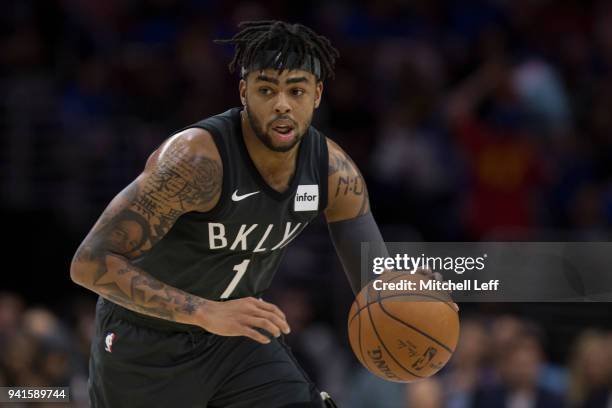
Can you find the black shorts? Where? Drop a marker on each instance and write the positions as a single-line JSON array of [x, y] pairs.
[[134, 365]]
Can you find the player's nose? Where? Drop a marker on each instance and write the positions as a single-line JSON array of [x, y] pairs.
[[282, 105]]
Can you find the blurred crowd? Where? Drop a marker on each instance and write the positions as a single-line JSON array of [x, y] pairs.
[[501, 361], [471, 120], [40, 349]]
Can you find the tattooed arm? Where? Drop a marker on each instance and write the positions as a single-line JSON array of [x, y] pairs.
[[185, 174], [348, 216], [347, 192], [350, 221]]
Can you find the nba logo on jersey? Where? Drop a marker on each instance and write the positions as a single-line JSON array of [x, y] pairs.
[[108, 341], [306, 198]]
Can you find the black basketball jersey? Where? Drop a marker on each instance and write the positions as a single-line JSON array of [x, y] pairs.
[[234, 250]]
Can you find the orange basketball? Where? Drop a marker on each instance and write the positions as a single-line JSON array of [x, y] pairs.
[[402, 335]]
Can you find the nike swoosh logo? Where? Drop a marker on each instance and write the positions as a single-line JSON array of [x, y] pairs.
[[236, 197]]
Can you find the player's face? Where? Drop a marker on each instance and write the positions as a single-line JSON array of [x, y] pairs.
[[280, 107]]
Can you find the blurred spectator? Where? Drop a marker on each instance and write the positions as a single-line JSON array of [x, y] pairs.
[[505, 329], [425, 394], [40, 323], [499, 152], [39, 352], [591, 371], [519, 370], [365, 390], [467, 369], [542, 93], [11, 310], [18, 358]]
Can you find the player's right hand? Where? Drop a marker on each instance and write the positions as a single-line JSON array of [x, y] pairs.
[[241, 317]]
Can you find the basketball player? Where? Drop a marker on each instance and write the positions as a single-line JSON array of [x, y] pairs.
[[181, 257]]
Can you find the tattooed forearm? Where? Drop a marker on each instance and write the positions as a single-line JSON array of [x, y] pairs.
[[190, 305], [150, 311], [104, 261], [135, 289]]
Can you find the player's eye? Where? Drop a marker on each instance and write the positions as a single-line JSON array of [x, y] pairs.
[[265, 91], [297, 92]]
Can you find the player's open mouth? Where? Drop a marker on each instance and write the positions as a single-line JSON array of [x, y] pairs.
[[284, 132]]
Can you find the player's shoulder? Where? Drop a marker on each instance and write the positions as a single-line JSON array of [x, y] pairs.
[[332, 147], [339, 161], [188, 158], [194, 141], [190, 145], [197, 140]]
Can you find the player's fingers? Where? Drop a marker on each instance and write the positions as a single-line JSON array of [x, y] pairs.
[[438, 276], [262, 304], [255, 335], [281, 323], [456, 306], [265, 324]]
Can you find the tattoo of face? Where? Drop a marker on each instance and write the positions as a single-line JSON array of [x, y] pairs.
[[126, 234]]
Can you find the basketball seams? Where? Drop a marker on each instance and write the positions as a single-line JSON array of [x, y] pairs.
[[385, 346], [399, 275], [402, 295], [369, 343], [445, 347], [446, 302], [439, 300], [365, 362]]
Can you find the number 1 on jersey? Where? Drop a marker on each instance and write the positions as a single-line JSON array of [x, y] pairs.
[[240, 269]]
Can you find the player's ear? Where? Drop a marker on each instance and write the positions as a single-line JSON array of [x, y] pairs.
[[242, 86], [318, 93]]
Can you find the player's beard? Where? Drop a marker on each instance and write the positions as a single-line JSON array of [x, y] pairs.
[[267, 140]]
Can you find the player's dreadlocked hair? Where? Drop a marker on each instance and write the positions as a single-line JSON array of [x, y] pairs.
[[260, 36]]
